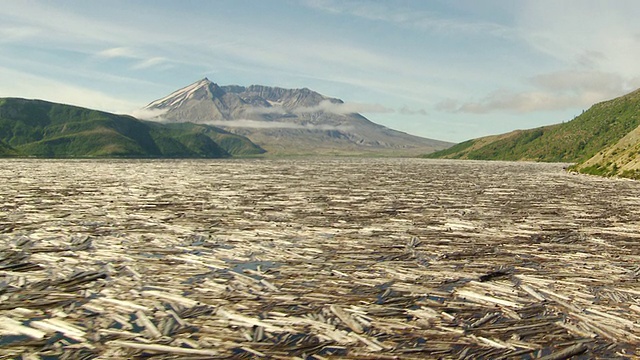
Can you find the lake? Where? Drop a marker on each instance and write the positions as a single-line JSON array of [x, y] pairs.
[[316, 257]]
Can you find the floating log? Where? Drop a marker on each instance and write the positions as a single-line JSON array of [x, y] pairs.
[[11, 326], [566, 353], [346, 319], [162, 348], [315, 258]]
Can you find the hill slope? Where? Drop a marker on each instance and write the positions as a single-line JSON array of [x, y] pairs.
[[44, 129], [620, 159], [6, 150], [603, 125], [604, 140], [286, 121]]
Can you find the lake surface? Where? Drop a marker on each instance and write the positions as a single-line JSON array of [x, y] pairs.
[[295, 257]]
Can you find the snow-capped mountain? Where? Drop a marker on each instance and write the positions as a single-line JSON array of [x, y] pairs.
[[178, 97], [285, 121]]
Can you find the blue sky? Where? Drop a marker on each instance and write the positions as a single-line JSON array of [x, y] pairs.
[[450, 70]]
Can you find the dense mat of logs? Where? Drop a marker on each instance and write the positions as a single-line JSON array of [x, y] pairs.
[[316, 259]]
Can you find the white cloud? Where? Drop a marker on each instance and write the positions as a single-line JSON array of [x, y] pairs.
[[582, 81], [597, 34], [405, 110], [344, 108], [69, 26], [558, 90], [117, 52], [149, 114], [338, 108], [255, 124], [18, 33], [143, 61], [19, 84], [152, 62], [518, 102], [237, 48], [408, 17], [589, 50], [545, 55]]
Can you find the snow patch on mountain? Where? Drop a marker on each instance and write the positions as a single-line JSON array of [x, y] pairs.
[[178, 97]]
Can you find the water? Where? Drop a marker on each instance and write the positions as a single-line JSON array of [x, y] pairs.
[[324, 232]]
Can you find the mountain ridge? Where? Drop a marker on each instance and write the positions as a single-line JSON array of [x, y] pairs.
[[577, 140], [286, 121], [603, 140], [46, 129]]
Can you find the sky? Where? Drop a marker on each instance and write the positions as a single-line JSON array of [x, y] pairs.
[[443, 69]]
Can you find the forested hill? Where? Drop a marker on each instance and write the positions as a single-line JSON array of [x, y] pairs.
[[37, 128], [578, 140]]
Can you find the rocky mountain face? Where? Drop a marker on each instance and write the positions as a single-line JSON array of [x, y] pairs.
[[286, 121]]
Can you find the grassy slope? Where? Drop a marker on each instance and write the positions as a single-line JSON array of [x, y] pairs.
[[196, 133], [6, 150], [620, 159], [575, 141], [44, 129]]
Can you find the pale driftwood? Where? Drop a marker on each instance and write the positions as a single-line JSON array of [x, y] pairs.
[[162, 348], [315, 258], [483, 298], [566, 353], [346, 319], [144, 321], [48, 326], [11, 326]]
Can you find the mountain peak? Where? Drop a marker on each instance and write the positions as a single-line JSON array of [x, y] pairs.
[[205, 80], [179, 96]]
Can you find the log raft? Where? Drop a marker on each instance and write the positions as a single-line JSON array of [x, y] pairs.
[[316, 259]]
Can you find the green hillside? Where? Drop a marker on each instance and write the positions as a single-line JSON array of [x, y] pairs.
[[6, 150], [235, 145], [620, 159], [43, 129], [603, 125]]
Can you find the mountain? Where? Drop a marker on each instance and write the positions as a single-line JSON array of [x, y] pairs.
[[44, 129], [6, 150], [286, 121], [602, 126]]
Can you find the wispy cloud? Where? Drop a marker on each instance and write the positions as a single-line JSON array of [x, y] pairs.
[[338, 108], [408, 17], [516, 102], [149, 114], [455, 57], [235, 49], [594, 60], [255, 124], [344, 108], [142, 61], [117, 52], [69, 26], [607, 41], [405, 110], [18, 33], [551, 91], [577, 81], [57, 91], [156, 61]]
